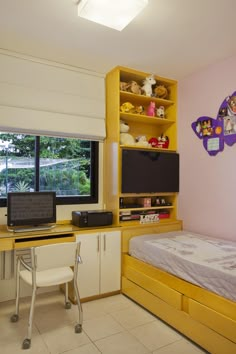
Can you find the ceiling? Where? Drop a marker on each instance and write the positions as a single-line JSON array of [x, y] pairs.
[[172, 38]]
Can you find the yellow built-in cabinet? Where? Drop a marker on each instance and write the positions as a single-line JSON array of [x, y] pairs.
[[140, 124]]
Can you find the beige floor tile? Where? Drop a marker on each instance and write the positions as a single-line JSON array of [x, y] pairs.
[[14, 332], [52, 316], [121, 343], [132, 316], [63, 339], [92, 309], [14, 345], [106, 322], [85, 349], [113, 303], [155, 334], [101, 327], [181, 347]]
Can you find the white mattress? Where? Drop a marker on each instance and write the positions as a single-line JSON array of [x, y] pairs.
[[201, 260]]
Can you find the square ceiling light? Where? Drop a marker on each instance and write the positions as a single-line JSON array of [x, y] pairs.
[[114, 14]]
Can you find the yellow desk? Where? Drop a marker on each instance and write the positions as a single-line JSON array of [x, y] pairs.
[[65, 232], [60, 233]]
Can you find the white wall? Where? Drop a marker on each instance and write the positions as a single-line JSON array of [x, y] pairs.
[[207, 183]]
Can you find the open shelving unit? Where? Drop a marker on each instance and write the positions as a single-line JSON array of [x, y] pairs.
[[140, 124]]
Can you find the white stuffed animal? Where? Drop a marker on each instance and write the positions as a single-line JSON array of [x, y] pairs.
[[147, 85], [142, 141], [125, 137]]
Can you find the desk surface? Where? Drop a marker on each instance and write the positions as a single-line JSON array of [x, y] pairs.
[[60, 233]]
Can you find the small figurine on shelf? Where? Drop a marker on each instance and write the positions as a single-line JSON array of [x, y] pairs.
[[158, 201], [147, 85], [160, 112], [139, 110], [151, 109], [163, 201], [126, 107], [163, 142]]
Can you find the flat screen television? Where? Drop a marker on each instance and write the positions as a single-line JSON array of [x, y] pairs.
[[149, 171], [31, 209]]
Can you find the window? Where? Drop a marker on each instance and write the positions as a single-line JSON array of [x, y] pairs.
[[32, 163]]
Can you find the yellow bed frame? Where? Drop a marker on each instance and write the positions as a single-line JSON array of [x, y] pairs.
[[204, 317]]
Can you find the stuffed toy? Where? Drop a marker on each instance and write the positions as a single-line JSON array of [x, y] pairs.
[[134, 87], [151, 110], [125, 137], [163, 142], [160, 91], [160, 112], [126, 107], [123, 86], [153, 142], [142, 141], [147, 85], [139, 110]]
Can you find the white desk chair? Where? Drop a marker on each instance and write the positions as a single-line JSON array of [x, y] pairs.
[[51, 265]]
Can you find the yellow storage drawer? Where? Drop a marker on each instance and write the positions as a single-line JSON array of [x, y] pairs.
[[34, 241], [214, 320], [6, 244]]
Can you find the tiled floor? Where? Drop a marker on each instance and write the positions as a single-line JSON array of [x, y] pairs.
[[111, 325]]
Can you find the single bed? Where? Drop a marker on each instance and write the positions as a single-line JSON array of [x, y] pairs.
[[207, 316]]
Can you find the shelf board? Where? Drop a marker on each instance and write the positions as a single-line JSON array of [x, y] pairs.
[[139, 147], [141, 118], [144, 99], [136, 222], [147, 208], [156, 194]]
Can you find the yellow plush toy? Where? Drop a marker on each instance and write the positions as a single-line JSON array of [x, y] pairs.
[[126, 107]]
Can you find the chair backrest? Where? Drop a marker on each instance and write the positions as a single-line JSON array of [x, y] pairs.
[[55, 255]]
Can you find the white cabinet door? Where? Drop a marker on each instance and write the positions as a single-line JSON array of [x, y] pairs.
[[110, 261], [89, 270]]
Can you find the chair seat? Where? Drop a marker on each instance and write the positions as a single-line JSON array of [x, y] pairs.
[[49, 277]]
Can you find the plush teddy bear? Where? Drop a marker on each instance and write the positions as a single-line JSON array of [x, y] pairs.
[[160, 91], [134, 87], [125, 137]]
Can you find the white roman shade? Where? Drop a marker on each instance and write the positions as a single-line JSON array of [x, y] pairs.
[[46, 98]]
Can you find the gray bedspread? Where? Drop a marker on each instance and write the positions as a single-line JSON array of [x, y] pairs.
[[201, 260]]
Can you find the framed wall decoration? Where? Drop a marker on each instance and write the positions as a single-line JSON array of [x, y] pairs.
[[215, 132]]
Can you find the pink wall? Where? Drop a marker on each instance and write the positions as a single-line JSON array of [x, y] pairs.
[[207, 198]]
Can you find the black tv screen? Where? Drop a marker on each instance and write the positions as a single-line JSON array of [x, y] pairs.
[[31, 208], [149, 171]]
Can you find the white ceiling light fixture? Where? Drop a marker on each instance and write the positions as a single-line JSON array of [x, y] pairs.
[[114, 14]]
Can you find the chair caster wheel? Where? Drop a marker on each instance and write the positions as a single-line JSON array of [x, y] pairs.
[[14, 318], [26, 343], [78, 328], [67, 305]]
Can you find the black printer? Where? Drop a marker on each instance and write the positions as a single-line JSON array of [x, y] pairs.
[[92, 218]]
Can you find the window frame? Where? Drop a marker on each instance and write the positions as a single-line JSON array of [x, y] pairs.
[[64, 200]]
